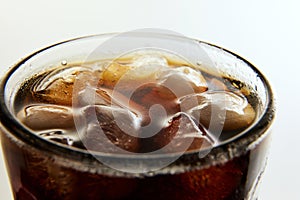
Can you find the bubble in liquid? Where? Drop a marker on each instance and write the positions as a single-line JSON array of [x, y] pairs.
[[64, 62]]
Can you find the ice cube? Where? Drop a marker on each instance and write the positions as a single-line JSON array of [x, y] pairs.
[[47, 116], [57, 86], [141, 69], [113, 73], [183, 80], [154, 94], [149, 59], [217, 85], [110, 129], [109, 97], [179, 135], [226, 109], [91, 96]]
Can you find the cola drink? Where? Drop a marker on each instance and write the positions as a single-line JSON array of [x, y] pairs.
[[141, 126]]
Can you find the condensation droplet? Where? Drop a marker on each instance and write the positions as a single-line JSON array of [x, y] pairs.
[[151, 173], [199, 63], [64, 62]]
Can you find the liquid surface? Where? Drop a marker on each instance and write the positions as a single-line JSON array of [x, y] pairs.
[[140, 103]]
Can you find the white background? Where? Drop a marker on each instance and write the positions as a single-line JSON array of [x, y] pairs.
[[264, 32]]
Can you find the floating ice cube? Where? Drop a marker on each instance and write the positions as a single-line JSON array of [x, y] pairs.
[[179, 135], [225, 109], [217, 85], [154, 94], [140, 70], [183, 80], [91, 96], [57, 86], [110, 129], [41, 117], [150, 59]]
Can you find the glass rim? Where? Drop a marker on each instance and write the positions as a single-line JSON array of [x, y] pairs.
[[241, 142]]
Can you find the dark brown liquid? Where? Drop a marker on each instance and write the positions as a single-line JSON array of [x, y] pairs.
[[49, 108], [110, 96]]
